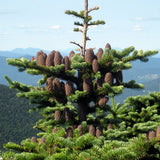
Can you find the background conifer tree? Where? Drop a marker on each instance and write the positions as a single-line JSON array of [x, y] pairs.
[[72, 97]]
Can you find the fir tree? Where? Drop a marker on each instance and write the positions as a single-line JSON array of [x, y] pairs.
[[72, 98]]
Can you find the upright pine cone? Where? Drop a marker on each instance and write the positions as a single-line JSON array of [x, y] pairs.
[[42, 140], [49, 84], [87, 85], [57, 115], [99, 131], [50, 59], [41, 58], [57, 85], [108, 46], [99, 54], [57, 58], [119, 76], [69, 88], [67, 114], [158, 132], [71, 54], [151, 134], [102, 101], [66, 63], [95, 66], [92, 130], [89, 56], [34, 139], [70, 132], [109, 78], [80, 128]]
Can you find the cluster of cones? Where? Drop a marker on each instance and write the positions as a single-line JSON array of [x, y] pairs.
[[54, 58], [59, 86], [96, 132]]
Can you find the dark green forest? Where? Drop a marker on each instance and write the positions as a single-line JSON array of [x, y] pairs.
[[16, 123]]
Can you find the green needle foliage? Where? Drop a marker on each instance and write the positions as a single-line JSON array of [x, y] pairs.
[[77, 123]]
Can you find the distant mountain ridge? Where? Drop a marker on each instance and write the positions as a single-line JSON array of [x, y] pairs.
[[141, 72], [19, 52]]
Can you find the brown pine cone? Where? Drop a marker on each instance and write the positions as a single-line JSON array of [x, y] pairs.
[[71, 54], [67, 114], [70, 132], [151, 134], [80, 128], [99, 54], [119, 76], [102, 101], [42, 140], [109, 126], [57, 58], [50, 59], [92, 130], [34, 139], [158, 132], [49, 84], [57, 115], [109, 78], [57, 84], [41, 58], [87, 85], [95, 66], [66, 63], [108, 46], [99, 131], [89, 55], [69, 88]]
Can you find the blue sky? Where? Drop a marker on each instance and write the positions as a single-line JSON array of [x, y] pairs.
[[43, 24]]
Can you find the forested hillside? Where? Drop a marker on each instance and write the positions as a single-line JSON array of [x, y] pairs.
[[16, 123]]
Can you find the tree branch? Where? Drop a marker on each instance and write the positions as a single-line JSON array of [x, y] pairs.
[[92, 9], [76, 44]]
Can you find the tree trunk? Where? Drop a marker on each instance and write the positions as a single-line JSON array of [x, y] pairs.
[[84, 29], [82, 110]]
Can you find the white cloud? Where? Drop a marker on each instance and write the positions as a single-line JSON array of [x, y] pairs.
[[138, 18], [55, 27], [32, 28], [22, 26], [147, 19], [137, 28]]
